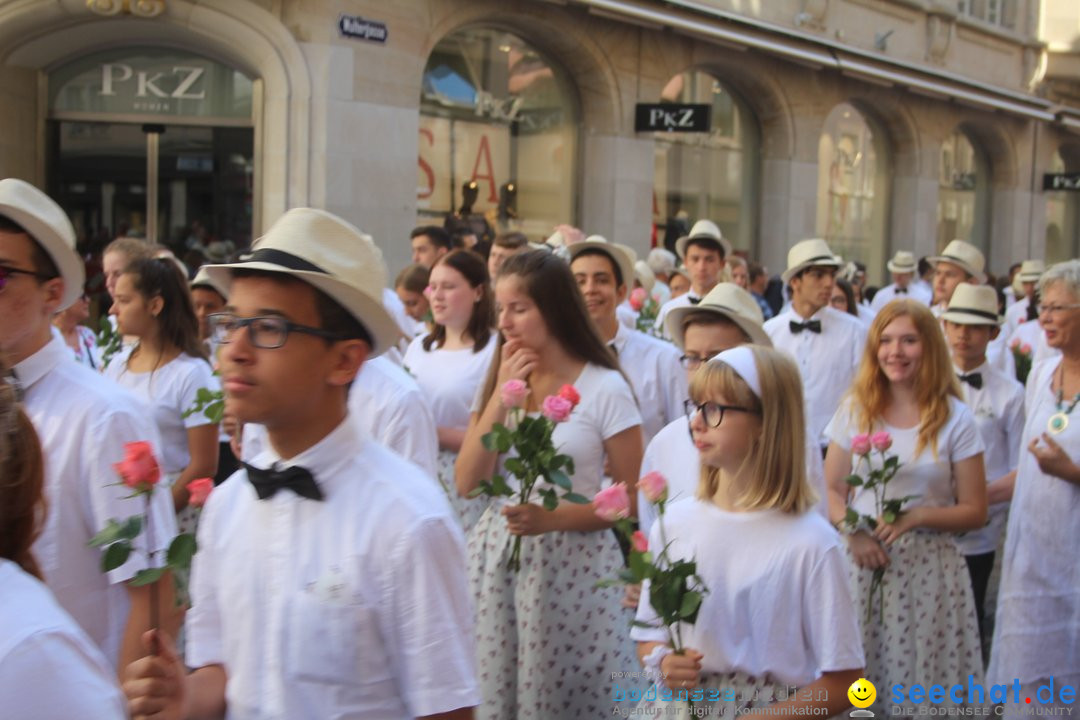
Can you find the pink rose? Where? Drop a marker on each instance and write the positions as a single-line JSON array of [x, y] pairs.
[[881, 441], [569, 392], [654, 487], [198, 491], [556, 409], [637, 299], [612, 503], [1014, 344], [639, 542], [139, 469], [513, 393], [1026, 349], [860, 444]]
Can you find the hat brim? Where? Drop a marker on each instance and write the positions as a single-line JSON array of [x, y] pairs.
[[680, 245], [1030, 278], [673, 323], [900, 268], [792, 272], [619, 256], [980, 276], [962, 317], [368, 311], [67, 261]]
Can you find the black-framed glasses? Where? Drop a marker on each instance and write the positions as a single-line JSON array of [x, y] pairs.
[[6, 271], [693, 362], [712, 412], [267, 331]]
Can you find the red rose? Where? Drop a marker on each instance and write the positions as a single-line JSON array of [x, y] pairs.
[[569, 392], [199, 490], [139, 469]]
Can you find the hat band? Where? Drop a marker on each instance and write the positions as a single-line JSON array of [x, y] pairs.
[[814, 260], [282, 258], [973, 311], [956, 260]]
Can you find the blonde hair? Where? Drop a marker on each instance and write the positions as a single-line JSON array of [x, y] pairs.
[[935, 380], [777, 458]]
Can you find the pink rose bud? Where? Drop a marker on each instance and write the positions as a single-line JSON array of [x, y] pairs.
[[639, 542], [881, 441], [612, 503], [637, 299], [569, 392], [199, 490], [860, 444], [1026, 349], [1014, 344], [654, 487], [556, 409], [139, 469], [513, 393]]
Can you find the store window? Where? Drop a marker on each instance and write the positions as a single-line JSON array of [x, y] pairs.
[[853, 188], [963, 193], [498, 136], [1062, 211], [711, 175]]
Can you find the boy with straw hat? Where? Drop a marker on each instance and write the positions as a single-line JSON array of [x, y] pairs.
[[903, 267]]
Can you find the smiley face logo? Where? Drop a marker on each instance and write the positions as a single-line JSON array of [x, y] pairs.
[[862, 693]]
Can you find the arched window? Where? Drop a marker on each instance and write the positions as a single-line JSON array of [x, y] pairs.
[[1062, 211], [853, 190], [711, 174], [963, 192], [498, 135]]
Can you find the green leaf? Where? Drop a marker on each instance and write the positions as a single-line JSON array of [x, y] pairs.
[[515, 466], [551, 501], [499, 487], [490, 441], [853, 480], [131, 529], [851, 517], [889, 517], [109, 534], [181, 550], [572, 497], [147, 577], [557, 477], [116, 555], [639, 566], [691, 602]]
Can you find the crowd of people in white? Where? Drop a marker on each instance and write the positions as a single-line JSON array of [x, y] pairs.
[[348, 568]]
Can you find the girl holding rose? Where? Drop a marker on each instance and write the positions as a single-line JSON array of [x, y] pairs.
[[547, 638], [906, 395]]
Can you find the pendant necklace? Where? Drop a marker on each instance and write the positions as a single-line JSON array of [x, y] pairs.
[[1060, 420]]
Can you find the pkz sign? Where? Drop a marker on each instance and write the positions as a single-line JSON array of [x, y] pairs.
[[671, 117], [357, 27], [1061, 181]]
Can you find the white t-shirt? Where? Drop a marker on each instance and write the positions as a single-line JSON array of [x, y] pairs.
[[356, 606], [685, 300], [449, 378], [779, 605], [49, 668], [928, 476], [170, 391], [83, 421]]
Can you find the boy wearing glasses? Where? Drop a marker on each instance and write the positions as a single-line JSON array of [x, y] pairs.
[[83, 421], [330, 578]]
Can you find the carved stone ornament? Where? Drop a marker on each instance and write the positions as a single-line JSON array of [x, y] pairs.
[[939, 31], [138, 8], [813, 14]]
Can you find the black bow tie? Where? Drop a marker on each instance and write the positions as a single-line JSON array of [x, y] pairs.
[[901, 291], [693, 300], [813, 326], [268, 482], [972, 379]]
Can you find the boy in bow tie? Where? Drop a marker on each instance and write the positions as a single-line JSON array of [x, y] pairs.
[[330, 577]]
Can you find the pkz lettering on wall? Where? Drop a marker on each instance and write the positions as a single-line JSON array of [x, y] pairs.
[[355, 26], [180, 84]]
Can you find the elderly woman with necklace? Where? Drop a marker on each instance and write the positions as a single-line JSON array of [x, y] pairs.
[[1037, 638]]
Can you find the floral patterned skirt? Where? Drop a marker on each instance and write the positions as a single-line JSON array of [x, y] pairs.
[[921, 627], [468, 510], [549, 642]]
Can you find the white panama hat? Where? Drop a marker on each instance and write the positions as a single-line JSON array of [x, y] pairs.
[[728, 300], [902, 262], [806, 254], [966, 256], [621, 255], [703, 230], [973, 305]]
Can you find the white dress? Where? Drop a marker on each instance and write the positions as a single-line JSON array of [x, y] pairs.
[[1037, 633], [449, 380], [547, 637], [922, 628]]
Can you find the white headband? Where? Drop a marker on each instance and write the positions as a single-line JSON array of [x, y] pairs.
[[741, 360]]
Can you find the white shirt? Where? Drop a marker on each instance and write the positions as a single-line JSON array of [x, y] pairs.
[[389, 406], [915, 291], [1015, 315], [999, 416], [354, 607], [49, 668], [683, 300], [449, 378], [928, 476], [658, 380], [780, 605], [626, 315], [827, 360], [83, 421], [170, 392]]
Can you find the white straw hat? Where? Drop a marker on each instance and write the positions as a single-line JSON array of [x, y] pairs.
[[973, 305], [902, 262], [645, 275], [1031, 270], [703, 230], [966, 256], [203, 279], [49, 226], [331, 255], [728, 300], [809, 253], [621, 255]]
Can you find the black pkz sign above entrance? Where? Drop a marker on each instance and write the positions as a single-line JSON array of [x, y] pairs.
[[357, 27], [1061, 181], [671, 117]]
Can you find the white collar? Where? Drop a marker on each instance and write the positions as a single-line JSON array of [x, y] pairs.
[[984, 368], [622, 336], [323, 458], [38, 365]]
